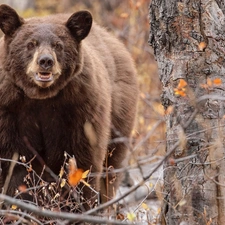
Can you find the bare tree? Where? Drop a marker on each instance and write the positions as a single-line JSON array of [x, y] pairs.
[[188, 38]]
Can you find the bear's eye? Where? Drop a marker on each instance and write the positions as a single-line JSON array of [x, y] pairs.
[[58, 46], [31, 45]]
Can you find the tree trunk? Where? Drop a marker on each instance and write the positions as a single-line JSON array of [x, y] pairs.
[[188, 38]]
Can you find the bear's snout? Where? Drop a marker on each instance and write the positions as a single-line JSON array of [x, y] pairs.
[[46, 61]]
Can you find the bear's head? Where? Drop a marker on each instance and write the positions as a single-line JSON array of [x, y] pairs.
[[42, 55]]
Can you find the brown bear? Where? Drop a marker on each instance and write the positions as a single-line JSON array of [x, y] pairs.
[[67, 85]]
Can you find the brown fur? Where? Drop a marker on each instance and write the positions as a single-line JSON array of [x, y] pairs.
[[89, 100]]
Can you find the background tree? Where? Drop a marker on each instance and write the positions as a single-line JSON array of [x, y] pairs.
[[18, 4], [188, 38]]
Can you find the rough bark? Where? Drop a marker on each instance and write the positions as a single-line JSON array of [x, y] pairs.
[[188, 37]]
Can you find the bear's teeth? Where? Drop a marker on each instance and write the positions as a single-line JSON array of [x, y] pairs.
[[43, 76]]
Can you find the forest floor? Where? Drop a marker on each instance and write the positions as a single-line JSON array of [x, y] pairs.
[[143, 205]]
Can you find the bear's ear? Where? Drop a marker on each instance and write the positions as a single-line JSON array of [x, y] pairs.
[[9, 20], [80, 24]]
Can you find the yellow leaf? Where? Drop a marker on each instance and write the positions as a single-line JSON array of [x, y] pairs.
[[14, 207], [131, 216], [145, 206], [61, 172], [63, 182], [180, 92], [84, 175], [182, 202], [56, 196], [159, 210]]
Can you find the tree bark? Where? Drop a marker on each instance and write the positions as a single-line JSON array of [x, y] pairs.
[[188, 38]]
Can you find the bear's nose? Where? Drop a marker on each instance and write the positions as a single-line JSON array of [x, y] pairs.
[[46, 61]]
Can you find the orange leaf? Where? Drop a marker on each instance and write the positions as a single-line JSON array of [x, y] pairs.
[[182, 83], [217, 81], [202, 45], [180, 92], [22, 188], [75, 177]]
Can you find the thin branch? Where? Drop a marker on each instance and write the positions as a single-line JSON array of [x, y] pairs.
[[135, 187], [72, 217], [39, 158], [148, 135], [8, 178], [24, 214]]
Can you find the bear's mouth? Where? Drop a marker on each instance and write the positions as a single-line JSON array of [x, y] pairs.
[[44, 76]]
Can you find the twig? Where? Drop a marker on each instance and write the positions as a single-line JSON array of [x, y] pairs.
[[139, 144], [72, 217], [9, 175], [135, 187], [211, 96], [13, 213], [39, 158]]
